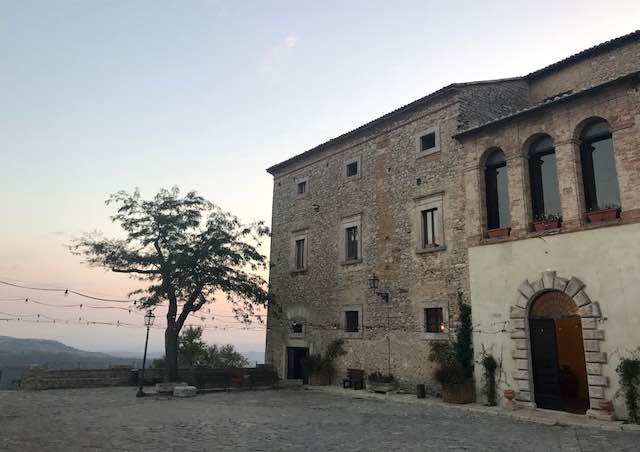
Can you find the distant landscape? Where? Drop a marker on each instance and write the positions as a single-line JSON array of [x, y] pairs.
[[18, 354]]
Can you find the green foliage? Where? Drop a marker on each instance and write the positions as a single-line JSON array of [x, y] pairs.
[[318, 364], [188, 251], [192, 351], [442, 353], [629, 373], [455, 359], [381, 378], [490, 366], [463, 345]]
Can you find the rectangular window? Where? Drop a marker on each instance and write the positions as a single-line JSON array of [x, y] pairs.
[[429, 221], [300, 263], [434, 320], [428, 141], [296, 328], [302, 187], [352, 169], [351, 243], [351, 322]]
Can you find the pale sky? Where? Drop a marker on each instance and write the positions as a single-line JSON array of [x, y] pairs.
[[101, 96]]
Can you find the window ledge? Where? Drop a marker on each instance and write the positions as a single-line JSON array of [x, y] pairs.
[[422, 154], [352, 261], [300, 271], [352, 335], [435, 336], [432, 249]]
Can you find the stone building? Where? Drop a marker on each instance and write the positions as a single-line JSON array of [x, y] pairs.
[[559, 306], [411, 196]]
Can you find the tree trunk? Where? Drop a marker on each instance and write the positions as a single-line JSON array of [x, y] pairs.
[[171, 354]]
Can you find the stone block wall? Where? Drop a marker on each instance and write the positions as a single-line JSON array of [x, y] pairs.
[[41, 379]]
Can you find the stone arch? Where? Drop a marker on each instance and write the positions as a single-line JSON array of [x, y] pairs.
[[579, 128], [593, 335]]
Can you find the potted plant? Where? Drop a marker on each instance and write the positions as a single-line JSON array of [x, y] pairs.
[[378, 382], [499, 232], [607, 213], [319, 369], [455, 361], [545, 222]]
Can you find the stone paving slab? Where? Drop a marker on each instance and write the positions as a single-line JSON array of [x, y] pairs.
[[108, 419], [539, 416]]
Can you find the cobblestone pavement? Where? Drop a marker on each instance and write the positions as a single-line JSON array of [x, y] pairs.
[[113, 419]]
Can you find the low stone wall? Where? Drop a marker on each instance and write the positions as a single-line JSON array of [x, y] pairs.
[[39, 379], [202, 378]]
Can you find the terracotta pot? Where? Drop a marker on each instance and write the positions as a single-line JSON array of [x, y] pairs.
[[545, 225], [458, 392], [499, 232], [509, 394], [598, 216], [606, 406]]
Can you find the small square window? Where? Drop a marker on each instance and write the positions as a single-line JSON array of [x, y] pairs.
[[351, 322], [297, 328], [434, 320], [302, 187], [351, 243], [300, 263], [428, 141], [352, 169]]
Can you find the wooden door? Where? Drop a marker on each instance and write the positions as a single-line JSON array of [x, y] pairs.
[[544, 357], [295, 355]]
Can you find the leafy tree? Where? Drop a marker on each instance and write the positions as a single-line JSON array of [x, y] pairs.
[[191, 349], [188, 251], [225, 357]]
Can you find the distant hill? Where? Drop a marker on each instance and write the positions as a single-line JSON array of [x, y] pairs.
[[18, 354]]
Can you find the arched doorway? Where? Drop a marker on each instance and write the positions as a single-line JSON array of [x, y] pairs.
[[557, 353]]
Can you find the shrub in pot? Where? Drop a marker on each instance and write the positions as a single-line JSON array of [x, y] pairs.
[[455, 361], [320, 369], [545, 222], [606, 213]]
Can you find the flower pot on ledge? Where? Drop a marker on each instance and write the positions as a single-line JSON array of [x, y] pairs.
[[499, 232], [545, 225], [597, 216]]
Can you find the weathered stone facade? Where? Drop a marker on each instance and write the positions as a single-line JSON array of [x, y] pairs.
[[590, 262], [394, 179]]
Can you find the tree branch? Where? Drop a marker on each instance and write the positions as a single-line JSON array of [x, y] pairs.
[[135, 270]]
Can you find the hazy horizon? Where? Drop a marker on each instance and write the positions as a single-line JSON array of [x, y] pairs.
[[205, 94]]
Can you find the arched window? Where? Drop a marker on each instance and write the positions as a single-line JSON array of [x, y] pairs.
[[497, 194], [598, 167], [543, 179]]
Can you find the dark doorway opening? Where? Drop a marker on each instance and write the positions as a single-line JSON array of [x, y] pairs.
[[295, 355], [557, 354]]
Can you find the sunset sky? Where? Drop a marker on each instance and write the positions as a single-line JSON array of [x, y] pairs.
[[100, 96]]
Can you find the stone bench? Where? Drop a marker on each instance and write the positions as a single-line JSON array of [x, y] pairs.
[[184, 391]]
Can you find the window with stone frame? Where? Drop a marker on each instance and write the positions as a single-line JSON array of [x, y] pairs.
[[543, 180], [599, 176], [434, 320], [351, 243], [428, 141], [496, 191], [302, 187], [352, 324], [429, 225], [300, 254]]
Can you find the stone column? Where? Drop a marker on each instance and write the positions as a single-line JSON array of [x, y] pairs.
[[567, 158], [518, 193]]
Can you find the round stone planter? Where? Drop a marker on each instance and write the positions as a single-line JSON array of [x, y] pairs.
[[382, 388]]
